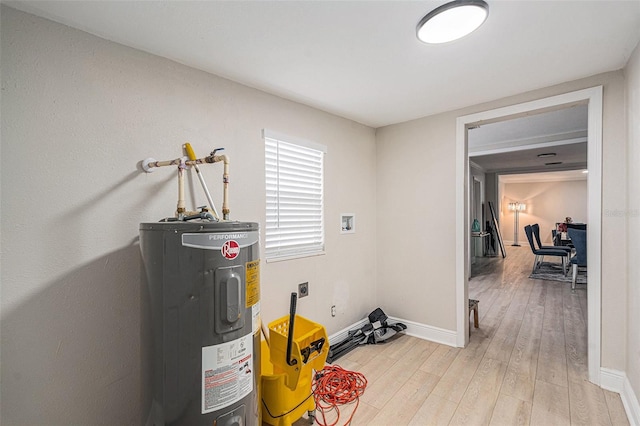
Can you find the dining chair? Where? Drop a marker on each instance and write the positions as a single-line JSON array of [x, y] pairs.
[[536, 233], [541, 253], [581, 226], [579, 239]]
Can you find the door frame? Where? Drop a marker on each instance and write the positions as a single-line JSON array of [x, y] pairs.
[[594, 99], [476, 206]]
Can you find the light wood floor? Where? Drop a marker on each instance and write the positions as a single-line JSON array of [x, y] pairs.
[[526, 364]]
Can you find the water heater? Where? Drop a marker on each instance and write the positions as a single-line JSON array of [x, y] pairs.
[[203, 280]]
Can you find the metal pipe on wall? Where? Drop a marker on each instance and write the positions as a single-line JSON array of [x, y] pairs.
[[149, 164]]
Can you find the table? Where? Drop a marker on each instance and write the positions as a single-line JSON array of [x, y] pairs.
[[561, 239], [480, 241]]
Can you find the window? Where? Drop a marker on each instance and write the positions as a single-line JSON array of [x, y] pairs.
[[294, 185]]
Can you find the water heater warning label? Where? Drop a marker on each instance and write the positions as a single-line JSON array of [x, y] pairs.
[[227, 374], [252, 277]]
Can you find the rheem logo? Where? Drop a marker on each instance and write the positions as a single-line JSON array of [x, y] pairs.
[[230, 249]]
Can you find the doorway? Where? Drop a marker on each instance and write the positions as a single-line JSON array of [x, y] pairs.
[[593, 98]]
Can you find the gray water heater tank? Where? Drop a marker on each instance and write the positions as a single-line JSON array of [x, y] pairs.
[[203, 281]]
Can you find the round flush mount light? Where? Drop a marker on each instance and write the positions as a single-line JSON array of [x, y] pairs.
[[452, 21]]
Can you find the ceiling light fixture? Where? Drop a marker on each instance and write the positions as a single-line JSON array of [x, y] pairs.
[[547, 154], [452, 21]]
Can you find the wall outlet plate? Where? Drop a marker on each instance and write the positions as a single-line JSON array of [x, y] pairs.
[[303, 290]]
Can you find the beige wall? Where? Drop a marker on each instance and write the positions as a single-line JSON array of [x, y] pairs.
[[416, 221], [547, 203], [632, 73], [416, 184], [78, 114]]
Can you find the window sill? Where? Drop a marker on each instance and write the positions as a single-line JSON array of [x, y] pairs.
[[294, 256]]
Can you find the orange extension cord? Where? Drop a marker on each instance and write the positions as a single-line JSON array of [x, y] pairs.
[[333, 386]]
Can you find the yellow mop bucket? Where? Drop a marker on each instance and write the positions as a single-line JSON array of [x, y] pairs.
[[288, 362]]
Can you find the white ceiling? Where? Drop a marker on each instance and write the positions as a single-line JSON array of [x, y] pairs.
[[514, 145], [570, 157], [548, 128], [361, 59]]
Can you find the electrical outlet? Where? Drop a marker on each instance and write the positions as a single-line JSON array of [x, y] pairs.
[[333, 310], [303, 290]]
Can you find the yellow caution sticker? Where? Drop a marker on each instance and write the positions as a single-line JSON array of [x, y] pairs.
[[252, 275]]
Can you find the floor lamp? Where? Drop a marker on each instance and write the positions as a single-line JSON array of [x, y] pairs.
[[517, 207]]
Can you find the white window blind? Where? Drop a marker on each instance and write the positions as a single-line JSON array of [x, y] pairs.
[[294, 189]]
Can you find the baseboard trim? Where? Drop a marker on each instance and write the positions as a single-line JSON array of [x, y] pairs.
[[344, 333], [612, 380], [428, 332], [617, 381], [630, 402], [421, 331]]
